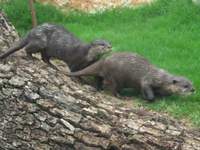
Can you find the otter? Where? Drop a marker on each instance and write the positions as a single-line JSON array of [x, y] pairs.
[[129, 70], [54, 41]]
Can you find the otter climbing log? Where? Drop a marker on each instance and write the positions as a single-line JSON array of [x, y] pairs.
[[43, 109]]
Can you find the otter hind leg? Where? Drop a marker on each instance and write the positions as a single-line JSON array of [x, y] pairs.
[[33, 47], [99, 83], [112, 86]]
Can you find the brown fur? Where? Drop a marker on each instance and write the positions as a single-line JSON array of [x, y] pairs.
[[129, 70], [54, 41]]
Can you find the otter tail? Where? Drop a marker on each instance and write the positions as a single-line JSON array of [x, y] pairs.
[[91, 70], [15, 48]]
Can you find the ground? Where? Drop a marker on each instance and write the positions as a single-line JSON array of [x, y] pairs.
[[166, 33], [41, 108]]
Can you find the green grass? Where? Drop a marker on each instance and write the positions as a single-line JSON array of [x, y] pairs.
[[167, 33]]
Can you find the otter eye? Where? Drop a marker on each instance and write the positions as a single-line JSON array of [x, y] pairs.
[[175, 81]]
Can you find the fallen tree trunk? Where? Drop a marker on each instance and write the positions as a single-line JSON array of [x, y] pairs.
[[43, 109]]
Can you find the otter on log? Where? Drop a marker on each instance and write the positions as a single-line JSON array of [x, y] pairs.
[[128, 70], [54, 41]]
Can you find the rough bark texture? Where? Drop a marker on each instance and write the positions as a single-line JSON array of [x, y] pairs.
[[43, 109]]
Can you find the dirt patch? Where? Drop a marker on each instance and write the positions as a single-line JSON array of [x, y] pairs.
[[96, 5]]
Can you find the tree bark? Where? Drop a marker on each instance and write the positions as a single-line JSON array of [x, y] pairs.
[[42, 109], [33, 13]]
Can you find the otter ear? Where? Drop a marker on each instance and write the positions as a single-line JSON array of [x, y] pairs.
[[95, 42]]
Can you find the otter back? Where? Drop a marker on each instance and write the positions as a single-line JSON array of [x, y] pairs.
[[128, 70], [57, 42]]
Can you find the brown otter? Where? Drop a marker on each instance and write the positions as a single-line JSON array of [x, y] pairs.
[[129, 70], [55, 41]]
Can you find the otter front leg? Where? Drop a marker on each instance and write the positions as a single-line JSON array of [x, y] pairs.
[[99, 83], [45, 58], [32, 48], [147, 92], [112, 85], [34, 45]]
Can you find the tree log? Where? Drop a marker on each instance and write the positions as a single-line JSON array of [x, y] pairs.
[[42, 109]]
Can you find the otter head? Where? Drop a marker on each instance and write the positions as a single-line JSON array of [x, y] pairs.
[[179, 85], [97, 49]]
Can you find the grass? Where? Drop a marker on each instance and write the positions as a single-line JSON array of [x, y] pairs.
[[166, 32]]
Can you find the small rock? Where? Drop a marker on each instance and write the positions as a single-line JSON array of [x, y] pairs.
[[32, 86], [10, 91], [67, 124], [64, 140], [99, 127], [40, 116], [31, 96], [45, 93], [6, 75], [40, 146], [39, 134], [16, 144], [30, 70], [160, 126], [63, 99], [90, 110], [52, 121], [18, 119], [28, 119], [44, 72], [16, 81], [103, 113], [46, 103], [45, 127], [32, 108], [24, 74], [90, 88], [84, 147], [133, 124], [63, 131], [1, 82], [17, 92], [151, 131], [57, 81], [41, 80], [5, 68], [92, 140], [174, 132], [67, 115]]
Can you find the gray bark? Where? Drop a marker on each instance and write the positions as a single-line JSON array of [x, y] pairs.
[[42, 109]]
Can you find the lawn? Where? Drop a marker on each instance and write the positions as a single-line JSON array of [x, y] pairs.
[[166, 32]]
